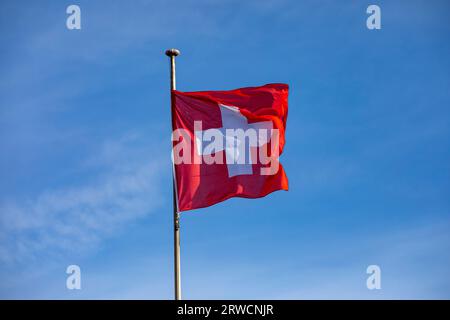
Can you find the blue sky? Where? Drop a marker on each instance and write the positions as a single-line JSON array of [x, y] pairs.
[[85, 167]]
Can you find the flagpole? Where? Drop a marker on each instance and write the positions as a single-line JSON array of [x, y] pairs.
[[172, 53]]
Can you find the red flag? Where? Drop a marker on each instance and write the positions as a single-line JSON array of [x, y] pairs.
[[226, 144]]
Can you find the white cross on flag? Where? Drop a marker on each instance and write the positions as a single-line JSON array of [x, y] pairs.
[[238, 163], [227, 144]]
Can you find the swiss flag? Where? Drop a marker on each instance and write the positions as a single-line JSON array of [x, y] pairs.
[[209, 163]]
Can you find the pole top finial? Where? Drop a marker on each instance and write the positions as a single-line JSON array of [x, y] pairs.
[[172, 52]]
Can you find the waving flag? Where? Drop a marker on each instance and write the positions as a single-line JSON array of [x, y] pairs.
[[227, 144]]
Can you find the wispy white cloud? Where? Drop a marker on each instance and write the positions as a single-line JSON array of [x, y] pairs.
[[78, 218]]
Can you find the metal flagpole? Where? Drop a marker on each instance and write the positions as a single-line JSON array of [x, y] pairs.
[[172, 53]]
